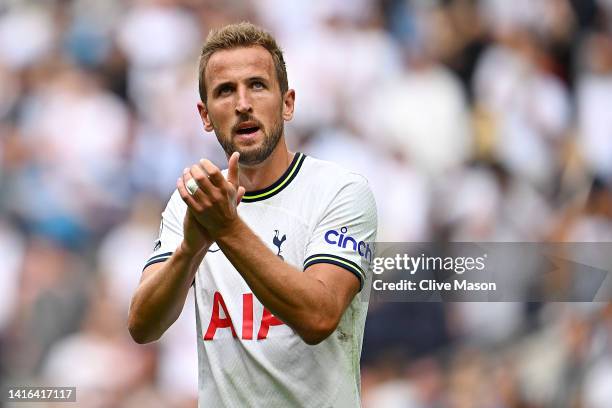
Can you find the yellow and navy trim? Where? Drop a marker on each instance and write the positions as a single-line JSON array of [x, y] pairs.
[[161, 258], [338, 261], [280, 184], [157, 258]]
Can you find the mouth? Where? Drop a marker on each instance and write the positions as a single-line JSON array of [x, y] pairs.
[[247, 129]]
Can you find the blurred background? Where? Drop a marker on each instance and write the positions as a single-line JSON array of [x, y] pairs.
[[485, 120]]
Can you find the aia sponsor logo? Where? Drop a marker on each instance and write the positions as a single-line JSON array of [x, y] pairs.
[[220, 319]]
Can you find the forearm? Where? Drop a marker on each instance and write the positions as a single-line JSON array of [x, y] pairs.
[[160, 297], [301, 301]]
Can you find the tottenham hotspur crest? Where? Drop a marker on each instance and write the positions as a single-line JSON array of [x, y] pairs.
[[278, 242]]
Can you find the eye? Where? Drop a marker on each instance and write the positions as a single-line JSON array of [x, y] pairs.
[[224, 90], [258, 85]]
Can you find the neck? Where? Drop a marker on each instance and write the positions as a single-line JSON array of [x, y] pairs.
[[262, 175]]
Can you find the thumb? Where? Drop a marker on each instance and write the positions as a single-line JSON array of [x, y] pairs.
[[233, 169], [240, 194]]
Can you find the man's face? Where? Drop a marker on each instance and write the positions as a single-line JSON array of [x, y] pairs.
[[244, 105]]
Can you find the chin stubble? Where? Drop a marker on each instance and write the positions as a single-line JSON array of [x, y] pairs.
[[256, 156]]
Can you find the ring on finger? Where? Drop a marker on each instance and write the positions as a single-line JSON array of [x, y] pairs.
[[191, 186]]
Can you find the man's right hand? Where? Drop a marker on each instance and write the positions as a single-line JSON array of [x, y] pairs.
[[196, 239], [163, 287]]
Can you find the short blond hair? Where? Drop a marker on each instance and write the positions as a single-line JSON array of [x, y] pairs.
[[243, 34]]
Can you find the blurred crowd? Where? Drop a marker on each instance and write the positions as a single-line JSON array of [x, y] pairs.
[[474, 120]]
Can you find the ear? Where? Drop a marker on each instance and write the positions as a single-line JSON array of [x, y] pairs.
[[205, 117], [288, 104]]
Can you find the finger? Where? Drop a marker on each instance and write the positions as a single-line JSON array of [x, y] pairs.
[[215, 175], [233, 172], [240, 194], [182, 189], [199, 196], [201, 177]]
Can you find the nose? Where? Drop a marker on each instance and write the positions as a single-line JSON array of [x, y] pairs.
[[243, 103]]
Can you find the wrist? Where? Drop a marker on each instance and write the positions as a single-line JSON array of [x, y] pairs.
[[230, 229], [191, 251]]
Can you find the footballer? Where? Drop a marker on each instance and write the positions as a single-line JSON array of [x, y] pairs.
[[277, 246]]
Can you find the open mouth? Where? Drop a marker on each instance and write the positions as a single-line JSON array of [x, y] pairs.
[[247, 130]]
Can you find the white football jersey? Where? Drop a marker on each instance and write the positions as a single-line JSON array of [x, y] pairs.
[[317, 212]]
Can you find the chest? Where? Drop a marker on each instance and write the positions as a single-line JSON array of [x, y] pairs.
[[284, 231]]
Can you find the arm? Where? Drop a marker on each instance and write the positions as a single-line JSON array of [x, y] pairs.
[[311, 303], [162, 291]]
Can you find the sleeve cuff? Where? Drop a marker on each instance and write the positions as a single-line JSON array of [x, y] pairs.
[[157, 258], [338, 261]]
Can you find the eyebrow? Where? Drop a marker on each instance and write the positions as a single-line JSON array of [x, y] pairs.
[[257, 78]]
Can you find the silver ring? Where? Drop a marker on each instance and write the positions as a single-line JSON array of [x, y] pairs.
[[192, 186]]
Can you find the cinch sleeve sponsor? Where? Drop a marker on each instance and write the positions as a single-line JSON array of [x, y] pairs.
[[346, 233], [170, 231]]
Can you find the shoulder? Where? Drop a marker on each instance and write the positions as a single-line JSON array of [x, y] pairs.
[[331, 174], [334, 188]]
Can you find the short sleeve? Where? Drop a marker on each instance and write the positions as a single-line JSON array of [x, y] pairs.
[[170, 231], [346, 231]]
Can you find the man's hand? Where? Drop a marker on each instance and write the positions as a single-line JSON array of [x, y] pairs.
[[214, 203]]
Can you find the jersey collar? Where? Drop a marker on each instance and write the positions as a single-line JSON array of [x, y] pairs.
[[280, 184]]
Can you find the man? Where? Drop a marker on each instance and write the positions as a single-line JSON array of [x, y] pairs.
[[276, 278]]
